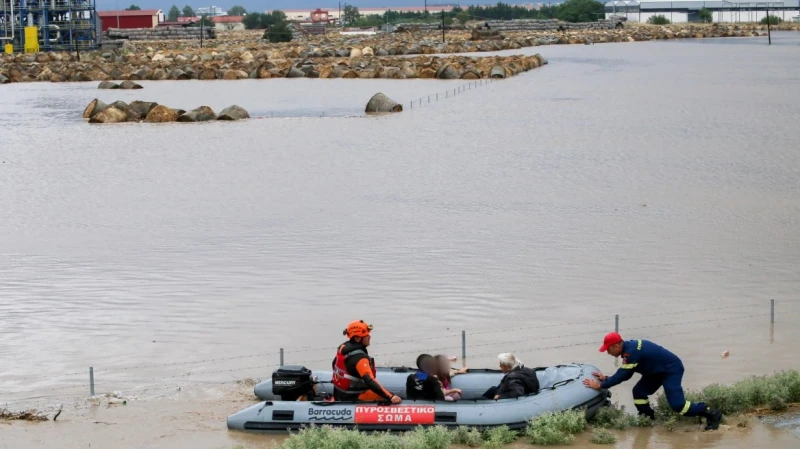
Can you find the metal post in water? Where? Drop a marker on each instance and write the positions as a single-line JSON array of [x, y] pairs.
[[91, 381], [616, 323], [772, 311], [769, 30], [281, 356], [463, 348]]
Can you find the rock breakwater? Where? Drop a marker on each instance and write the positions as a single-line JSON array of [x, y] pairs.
[[201, 68], [151, 112]]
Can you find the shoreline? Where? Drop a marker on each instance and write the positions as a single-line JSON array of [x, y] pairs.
[[335, 56]]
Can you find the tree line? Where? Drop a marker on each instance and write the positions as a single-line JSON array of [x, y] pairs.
[[569, 11]]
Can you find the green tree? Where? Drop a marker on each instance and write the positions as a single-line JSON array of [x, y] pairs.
[[173, 14], [658, 19], [278, 32], [773, 20], [133, 8], [237, 10], [350, 14], [463, 17], [705, 15], [580, 11], [205, 21], [188, 11]]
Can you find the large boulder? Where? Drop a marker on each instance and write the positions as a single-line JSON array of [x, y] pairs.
[[447, 72], [95, 106], [161, 114], [294, 72], [355, 53], [108, 85], [497, 71], [201, 114], [128, 84], [138, 110], [108, 115], [3, 80], [233, 113], [121, 105], [381, 103], [367, 51], [207, 74]]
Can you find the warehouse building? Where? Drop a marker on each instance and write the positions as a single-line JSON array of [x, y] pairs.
[[680, 11]]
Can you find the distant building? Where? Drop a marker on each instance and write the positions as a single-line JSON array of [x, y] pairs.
[[228, 23], [680, 11], [210, 11], [145, 18], [302, 15]]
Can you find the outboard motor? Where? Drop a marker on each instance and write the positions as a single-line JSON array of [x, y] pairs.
[[290, 382]]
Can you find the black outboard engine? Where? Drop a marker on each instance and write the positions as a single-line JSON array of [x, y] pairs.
[[290, 382]]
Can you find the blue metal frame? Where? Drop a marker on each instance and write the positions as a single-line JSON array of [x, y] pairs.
[[72, 24]]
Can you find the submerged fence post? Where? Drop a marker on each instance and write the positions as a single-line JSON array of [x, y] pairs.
[[772, 311], [616, 323], [281, 356], [463, 348], [91, 381]]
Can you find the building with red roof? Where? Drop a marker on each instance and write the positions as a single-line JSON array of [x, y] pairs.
[[145, 18]]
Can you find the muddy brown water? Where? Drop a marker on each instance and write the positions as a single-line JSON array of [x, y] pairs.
[[653, 180]]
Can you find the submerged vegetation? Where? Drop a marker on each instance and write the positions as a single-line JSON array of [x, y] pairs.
[[774, 392]]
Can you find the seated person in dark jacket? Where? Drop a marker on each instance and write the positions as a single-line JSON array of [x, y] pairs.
[[423, 384], [518, 381]]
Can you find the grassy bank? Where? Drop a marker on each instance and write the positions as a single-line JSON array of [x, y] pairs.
[[774, 392]]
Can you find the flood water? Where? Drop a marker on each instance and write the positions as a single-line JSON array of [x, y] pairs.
[[657, 181]]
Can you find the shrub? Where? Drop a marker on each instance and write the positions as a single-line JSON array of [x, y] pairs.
[[497, 437], [278, 32], [773, 20], [556, 428], [658, 19], [603, 436], [437, 437], [467, 436], [612, 417]]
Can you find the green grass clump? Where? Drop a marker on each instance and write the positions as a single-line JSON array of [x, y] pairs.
[[497, 437], [603, 436], [467, 436], [611, 417], [775, 391], [556, 428], [436, 437]]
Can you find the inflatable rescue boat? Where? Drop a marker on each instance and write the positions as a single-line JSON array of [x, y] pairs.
[[561, 388]]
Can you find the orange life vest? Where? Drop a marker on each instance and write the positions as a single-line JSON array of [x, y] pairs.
[[343, 380]]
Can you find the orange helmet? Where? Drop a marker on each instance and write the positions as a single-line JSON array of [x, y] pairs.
[[357, 329]]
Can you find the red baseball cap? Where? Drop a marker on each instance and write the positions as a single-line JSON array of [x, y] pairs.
[[612, 338]]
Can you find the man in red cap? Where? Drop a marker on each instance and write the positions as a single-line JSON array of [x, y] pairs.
[[658, 367]]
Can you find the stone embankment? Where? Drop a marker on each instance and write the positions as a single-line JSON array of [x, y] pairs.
[[161, 34], [238, 55], [249, 66], [152, 112]]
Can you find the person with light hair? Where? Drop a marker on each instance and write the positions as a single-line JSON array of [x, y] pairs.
[[518, 380]]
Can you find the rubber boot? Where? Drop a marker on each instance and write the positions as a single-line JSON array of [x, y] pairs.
[[713, 418], [646, 410]]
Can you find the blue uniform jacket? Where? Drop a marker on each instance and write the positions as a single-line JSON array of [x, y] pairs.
[[646, 358]]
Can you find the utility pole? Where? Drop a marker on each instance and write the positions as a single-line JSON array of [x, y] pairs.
[[340, 15]]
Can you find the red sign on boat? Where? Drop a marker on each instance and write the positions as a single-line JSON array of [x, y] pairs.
[[394, 414]]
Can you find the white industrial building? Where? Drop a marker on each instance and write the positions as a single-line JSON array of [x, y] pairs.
[[678, 11]]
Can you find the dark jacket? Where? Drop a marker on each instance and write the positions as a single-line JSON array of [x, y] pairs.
[[423, 386], [518, 382], [646, 358]]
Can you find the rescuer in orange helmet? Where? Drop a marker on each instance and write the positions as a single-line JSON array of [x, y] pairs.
[[354, 370]]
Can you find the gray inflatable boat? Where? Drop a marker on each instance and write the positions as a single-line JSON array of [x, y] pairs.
[[561, 388]]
